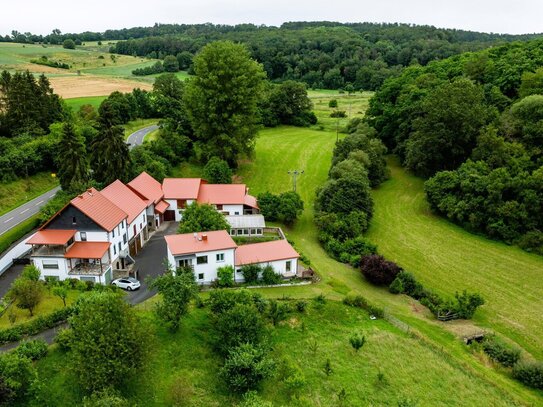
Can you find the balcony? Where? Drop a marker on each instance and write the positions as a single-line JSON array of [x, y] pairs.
[[48, 251], [89, 269]]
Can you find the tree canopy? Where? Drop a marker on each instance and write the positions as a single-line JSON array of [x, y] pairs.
[[202, 218]]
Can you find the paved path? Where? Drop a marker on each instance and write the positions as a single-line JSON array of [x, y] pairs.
[[148, 263], [25, 211], [137, 137]]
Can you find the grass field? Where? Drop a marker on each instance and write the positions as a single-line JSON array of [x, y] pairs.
[[76, 103], [446, 258], [354, 106], [183, 368], [15, 193]]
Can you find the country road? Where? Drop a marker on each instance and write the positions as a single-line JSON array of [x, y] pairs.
[[29, 209]]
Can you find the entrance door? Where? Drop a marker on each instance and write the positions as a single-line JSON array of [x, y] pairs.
[[169, 215]]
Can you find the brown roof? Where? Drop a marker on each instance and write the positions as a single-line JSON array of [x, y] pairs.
[[50, 236], [265, 252], [161, 206], [181, 188], [224, 194], [125, 198], [100, 209], [187, 243], [87, 250], [148, 187]]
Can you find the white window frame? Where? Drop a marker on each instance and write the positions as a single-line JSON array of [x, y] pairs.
[[219, 257]]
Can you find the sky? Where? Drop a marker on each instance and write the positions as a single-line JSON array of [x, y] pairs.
[[41, 17]]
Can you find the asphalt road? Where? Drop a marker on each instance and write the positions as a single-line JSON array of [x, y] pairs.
[[137, 138], [25, 211]]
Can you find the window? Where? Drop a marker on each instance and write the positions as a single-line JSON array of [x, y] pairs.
[[74, 220], [185, 263], [253, 231], [86, 278], [220, 257], [201, 260], [119, 244], [259, 231], [232, 232], [114, 251], [113, 232], [50, 264], [219, 207], [245, 231], [289, 265], [124, 238], [83, 236], [200, 276], [135, 230], [236, 213]]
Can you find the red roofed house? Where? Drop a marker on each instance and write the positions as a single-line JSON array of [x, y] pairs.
[[86, 240], [179, 192], [135, 208], [150, 190], [207, 251]]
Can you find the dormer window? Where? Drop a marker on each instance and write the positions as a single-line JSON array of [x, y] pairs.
[[74, 221], [83, 236]]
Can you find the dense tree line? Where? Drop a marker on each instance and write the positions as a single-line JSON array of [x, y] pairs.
[[473, 124], [324, 55], [344, 205]]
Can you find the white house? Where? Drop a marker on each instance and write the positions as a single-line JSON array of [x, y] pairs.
[[150, 190], [204, 252], [126, 199], [179, 193], [207, 251], [85, 240]]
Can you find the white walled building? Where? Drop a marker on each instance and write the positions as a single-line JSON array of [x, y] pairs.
[[207, 251], [150, 190]]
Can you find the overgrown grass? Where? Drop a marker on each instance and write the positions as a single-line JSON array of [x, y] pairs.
[[183, 369], [16, 193]]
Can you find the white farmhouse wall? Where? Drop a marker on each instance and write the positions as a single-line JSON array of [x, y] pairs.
[[280, 267], [208, 270], [139, 222], [233, 209], [6, 259], [61, 272]]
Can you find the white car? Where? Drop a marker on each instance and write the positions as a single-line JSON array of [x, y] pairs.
[[127, 283]]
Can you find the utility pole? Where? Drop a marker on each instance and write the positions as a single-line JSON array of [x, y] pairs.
[[294, 175]]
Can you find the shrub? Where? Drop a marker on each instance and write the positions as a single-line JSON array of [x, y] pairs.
[[270, 277], [252, 399], [357, 340], [301, 306], [277, 312], [529, 373], [245, 367], [467, 304], [63, 339], [501, 352], [396, 287], [319, 300], [105, 398], [33, 350], [293, 376], [532, 242], [327, 368], [217, 171], [16, 376], [251, 272], [68, 44], [379, 271], [409, 285], [338, 113], [225, 276], [31, 272]]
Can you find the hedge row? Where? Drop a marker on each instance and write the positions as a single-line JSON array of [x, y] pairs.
[[19, 231], [41, 323]]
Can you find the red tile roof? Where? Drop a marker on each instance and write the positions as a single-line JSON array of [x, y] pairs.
[[251, 201], [87, 250], [100, 209], [181, 188], [265, 252], [188, 244], [161, 206], [125, 198], [148, 187], [51, 236], [223, 194]]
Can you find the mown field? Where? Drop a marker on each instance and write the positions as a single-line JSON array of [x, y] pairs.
[[392, 366]]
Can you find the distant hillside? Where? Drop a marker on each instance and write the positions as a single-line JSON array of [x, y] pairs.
[[322, 54]]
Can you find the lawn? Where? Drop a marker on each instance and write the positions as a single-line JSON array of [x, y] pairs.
[[76, 103], [447, 258], [183, 369], [16, 193]]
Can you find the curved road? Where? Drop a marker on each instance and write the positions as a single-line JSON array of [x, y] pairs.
[[25, 211]]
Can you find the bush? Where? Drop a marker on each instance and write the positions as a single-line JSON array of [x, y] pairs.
[[277, 312], [105, 398], [467, 304], [63, 339], [225, 276], [17, 374], [251, 272], [37, 325], [501, 352], [356, 301], [338, 113], [532, 242], [357, 340], [31, 272], [33, 350], [68, 44], [245, 367], [379, 271], [529, 373], [301, 306], [270, 277]]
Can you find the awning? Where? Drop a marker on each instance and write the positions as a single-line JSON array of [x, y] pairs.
[[52, 237], [161, 207], [87, 250]]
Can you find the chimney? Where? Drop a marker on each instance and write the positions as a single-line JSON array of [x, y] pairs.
[[204, 237], [195, 236]]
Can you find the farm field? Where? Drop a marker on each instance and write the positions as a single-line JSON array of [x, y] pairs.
[[183, 367], [76, 103]]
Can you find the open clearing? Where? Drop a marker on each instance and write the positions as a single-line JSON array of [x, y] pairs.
[[78, 86]]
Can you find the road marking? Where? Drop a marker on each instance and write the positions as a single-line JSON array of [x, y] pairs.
[[6, 221], [25, 210], [39, 202]]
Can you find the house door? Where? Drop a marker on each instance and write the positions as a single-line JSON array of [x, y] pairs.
[[132, 247], [169, 215]]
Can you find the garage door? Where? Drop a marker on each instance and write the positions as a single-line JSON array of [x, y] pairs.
[[169, 215]]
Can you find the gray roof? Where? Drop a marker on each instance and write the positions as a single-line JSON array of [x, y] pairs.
[[246, 221]]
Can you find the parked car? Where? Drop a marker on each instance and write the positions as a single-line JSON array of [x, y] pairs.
[[127, 283]]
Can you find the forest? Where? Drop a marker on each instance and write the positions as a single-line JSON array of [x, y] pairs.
[[472, 125]]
